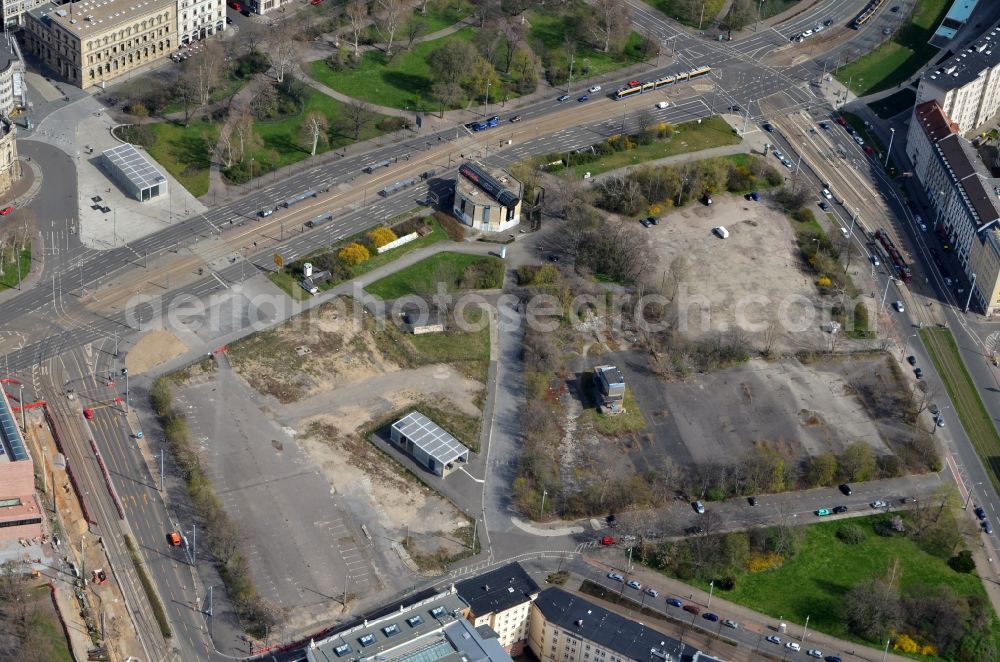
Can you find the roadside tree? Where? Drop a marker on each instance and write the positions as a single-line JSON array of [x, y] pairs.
[[871, 609], [390, 16], [313, 130], [609, 23], [357, 116], [357, 20]]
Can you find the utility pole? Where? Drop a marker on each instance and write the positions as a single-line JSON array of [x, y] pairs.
[[116, 343], [805, 629], [972, 288], [161, 469], [711, 590], [20, 396], [892, 134], [486, 101], [572, 58], [125, 375], [211, 611], [702, 19], [541, 512]]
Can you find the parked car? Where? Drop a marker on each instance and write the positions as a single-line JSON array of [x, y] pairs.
[[793, 646], [898, 306], [832, 658], [845, 489], [595, 89], [823, 205], [662, 104], [774, 640], [767, 126], [980, 513], [778, 154], [868, 149], [752, 501], [814, 653], [710, 617], [841, 120], [840, 509], [88, 414], [755, 196], [634, 584], [785, 162], [730, 623], [858, 139], [939, 420], [699, 507], [174, 539], [828, 22], [911, 359], [919, 373], [886, 31], [582, 98], [653, 220], [616, 577], [651, 592], [692, 609], [645, 223], [822, 512], [826, 194], [878, 504], [824, 125], [674, 602], [844, 231], [987, 529], [516, 118], [563, 98], [875, 261], [607, 540], [264, 213], [6, 210]]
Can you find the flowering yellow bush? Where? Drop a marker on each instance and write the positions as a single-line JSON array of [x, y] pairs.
[[906, 644], [379, 237], [762, 562], [824, 281], [654, 210], [353, 254]]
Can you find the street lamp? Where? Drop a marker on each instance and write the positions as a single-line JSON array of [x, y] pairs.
[[486, 101], [972, 288], [906, 341], [711, 589], [892, 134], [541, 511]]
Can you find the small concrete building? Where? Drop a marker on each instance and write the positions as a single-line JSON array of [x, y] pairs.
[[489, 201], [134, 173], [420, 319], [610, 383], [501, 599], [424, 441], [20, 512]]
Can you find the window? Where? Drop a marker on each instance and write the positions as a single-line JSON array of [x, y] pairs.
[[414, 621], [342, 650], [367, 640], [390, 630]]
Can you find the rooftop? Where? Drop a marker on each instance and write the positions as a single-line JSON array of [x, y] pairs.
[[610, 374], [966, 65], [11, 443], [430, 438], [933, 120], [498, 590], [96, 16], [7, 53], [957, 16], [496, 184], [431, 630], [630, 639], [134, 165], [979, 188]]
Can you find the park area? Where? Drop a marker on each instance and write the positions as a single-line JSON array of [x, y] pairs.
[[445, 271], [899, 58]]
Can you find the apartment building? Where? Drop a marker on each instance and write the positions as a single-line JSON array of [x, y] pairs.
[[20, 511], [567, 628], [13, 93], [94, 41], [501, 599], [964, 197], [263, 6], [197, 19], [967, 86]]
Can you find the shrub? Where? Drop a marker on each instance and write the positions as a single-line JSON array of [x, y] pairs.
[[409, 226], [851, 534], [905, 643], [727, 583], [962, 562], [379, 237], [390, 124], [451, 226], [353, 254], [762, 562], [803, 215]]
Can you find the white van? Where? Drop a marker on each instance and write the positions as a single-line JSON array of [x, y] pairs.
[[721, 232]]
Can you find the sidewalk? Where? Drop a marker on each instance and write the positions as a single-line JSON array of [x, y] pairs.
[[748, 619]]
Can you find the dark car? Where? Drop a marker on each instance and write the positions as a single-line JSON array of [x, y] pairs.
[[674, 602], [828, 22], [612, 521], [919, 373], [710, 617], [768, 127], [839, 509], [987, 529], [516, 118], [755, 196], [582, 98], [694, 531], [735, 109], [911, 359], [832, 658], [653, 220], [645, 223], [823, 205], [845, 489], [980, 513], [841, 120], [894, 9], [868, 149], [752, 501], [693, 609]]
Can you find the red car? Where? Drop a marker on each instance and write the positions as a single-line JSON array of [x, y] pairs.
[[607, 540], [235, 5], [88, 414], [841, 121], [634, 83], [6, 210], [868, 149], [315, 3]]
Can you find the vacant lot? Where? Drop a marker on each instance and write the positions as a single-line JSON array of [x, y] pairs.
[[450, 271], [751, 280], [798, 410]]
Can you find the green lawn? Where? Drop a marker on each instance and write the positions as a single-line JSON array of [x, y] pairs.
[[774, 7], [12, 277], [678, 9], [962, 391], [231, 87], [377, 260], [424, 276], [403, 83], [688, 137], [899, 58], [442, 15], [550, 29], [185, 152], [894, 104], [825, 568], [615, 426], [288, 283]]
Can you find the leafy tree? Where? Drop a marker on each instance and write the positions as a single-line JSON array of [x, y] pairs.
[[821, 470], [962, 562], [857, 462], [452, 61], [353, 254], [871, 609]]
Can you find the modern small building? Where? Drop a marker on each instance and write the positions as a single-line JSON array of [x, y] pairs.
[[567, 628], [20, 512], [420, 319], [430, 630], [501, 599], [610, 384], [133, 172], [485, 200], [429, 445]]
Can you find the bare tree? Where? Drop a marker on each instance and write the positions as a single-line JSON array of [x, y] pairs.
[[644, 119], [282, 48], [204, 72], [871, 609], [511, 33], [243, 128], [314, 130], [265, 99], [357, 18], [357, 115], [252, 37], [389, 16], [448, 93], [610, 22], [224, 146], [414, 30]]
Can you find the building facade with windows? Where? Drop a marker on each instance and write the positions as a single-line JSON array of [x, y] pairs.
[[91, 42], [967, 86], [263, 6], [10, 167], [485, 200], [198, 19], [566, 628], [501, 599], [20, 512], [13, 93]]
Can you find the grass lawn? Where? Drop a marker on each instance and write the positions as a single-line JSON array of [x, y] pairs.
[[615, 426], [894, 104], [11, 276], [424, 276], [774, 7], [232, 86], [899, 58], [185, 152], [443, 15], [405, 82], [825, 568], [976, 420], [288, 283], [676, 9], [551, 30], [688, 137]]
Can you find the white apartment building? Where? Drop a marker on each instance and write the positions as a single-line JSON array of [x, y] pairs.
[[967, 86], [13, 93], [197, 19], [501, 599]]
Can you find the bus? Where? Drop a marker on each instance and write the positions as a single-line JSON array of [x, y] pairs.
[[663, 81]]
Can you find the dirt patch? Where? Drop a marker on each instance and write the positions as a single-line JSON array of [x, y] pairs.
[[152, 350], [751, 280]]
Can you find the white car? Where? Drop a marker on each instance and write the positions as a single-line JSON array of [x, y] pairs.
[[878, 504], [634, 584], [778, 154], [595, 89], [844, 231], [818, 29], [662, 104], [815, 653], [875, 261], [858, 139], [827, 194], [898, 306], [615, 576], [793, 646], [807, 33], [651, 592]]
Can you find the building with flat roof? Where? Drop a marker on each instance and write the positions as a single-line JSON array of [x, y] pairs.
[[20, 512], [431, 630], [90, 42], [610, 383], [487, 200], [567, 628], [13, 93], [967, 86], [957, 16], [133, 172], [429, 445], [501, 599]]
